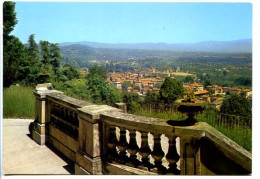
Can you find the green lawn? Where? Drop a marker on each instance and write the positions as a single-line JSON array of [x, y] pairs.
[[18, 102]]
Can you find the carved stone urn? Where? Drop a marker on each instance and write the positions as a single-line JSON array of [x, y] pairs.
[[190, 108]]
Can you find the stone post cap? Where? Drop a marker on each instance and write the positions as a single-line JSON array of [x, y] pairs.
[[44, 86], [43, 89]]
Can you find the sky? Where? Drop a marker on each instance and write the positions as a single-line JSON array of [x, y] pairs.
[[139, 22]]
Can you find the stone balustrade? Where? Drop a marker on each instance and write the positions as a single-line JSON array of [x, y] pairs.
[[101, 139]]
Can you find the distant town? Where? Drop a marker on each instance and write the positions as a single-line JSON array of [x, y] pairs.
[[150, 80]]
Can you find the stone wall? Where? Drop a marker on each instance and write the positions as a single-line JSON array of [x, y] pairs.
[[101, 139]]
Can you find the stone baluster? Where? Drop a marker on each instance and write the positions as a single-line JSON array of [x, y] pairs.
[[145, 150], [133, 148], [122, 145], [172, 156], [112, 142], [158, 153]]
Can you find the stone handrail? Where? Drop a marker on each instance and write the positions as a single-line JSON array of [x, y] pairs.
[[101, 139]]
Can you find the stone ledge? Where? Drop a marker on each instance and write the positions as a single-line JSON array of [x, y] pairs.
[[92, 112], [119, 169]]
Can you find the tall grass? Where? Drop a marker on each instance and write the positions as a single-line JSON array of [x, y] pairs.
[[18, 102], [241, 134]]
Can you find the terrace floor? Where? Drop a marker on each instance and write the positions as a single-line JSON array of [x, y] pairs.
[[22, 155]]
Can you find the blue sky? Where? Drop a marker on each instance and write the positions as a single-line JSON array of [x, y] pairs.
[[168, 22]]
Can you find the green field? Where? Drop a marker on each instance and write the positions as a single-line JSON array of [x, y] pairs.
[[18, 102]]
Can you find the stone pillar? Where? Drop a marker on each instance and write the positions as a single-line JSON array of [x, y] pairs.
[[190, 156], [88, 156], [121, 106], [41, 112]]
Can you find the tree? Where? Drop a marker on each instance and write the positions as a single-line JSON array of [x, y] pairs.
[[9, 19], [189, 79], [32, 64], [102, 92], [55, 57], [151, 100], [125, 85], [243, 81], [45, 52], [14, 54], [171, 90], [132, 100], [12, 47], [70, 72], [96, 71], [207, 82], [237, 105]]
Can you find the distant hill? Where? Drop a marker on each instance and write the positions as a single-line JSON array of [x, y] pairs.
[[236, 46]]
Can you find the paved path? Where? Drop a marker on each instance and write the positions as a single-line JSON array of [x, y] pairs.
[[21, 155]]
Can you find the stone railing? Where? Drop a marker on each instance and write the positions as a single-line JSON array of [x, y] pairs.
[[101, 139]]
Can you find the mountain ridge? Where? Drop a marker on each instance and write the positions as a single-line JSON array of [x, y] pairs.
[[242, 45]]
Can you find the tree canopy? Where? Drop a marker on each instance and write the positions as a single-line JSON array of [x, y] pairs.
[[237, 105], [96, 71], [171, 90]]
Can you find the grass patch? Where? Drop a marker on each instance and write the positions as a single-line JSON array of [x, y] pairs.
[[240, 134], [18, 102]]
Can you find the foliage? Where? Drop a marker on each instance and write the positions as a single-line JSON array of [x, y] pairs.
[[237, 105], [189, 79], [18, 102], [70, 72], [102, 92], [132, 100], [55, 57], [243, 81], [9, 19], [151, 100], [96, 71], [75, 88], [125, 85], [238, 133], [167, 115], [170, 90], [45, 52], [14, 53], [207, 82]]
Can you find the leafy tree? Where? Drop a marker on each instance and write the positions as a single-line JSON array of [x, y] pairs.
[[45, 52], [189, 79], [136, 87], [125, 85], [55, 57], [102, 92], [132, 100], [207, 82], [171, 90], [237, 105], [70, 72], [243, 81], [32, 64], [14, 53], [158, 85], [9, 19], [12, 47], [96, 71], [225, 73], [75, 88], [151, 100]]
